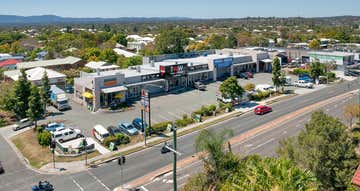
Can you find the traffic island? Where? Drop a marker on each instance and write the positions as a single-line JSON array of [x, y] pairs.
[[37, 155]]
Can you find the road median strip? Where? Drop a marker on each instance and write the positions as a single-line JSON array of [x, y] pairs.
[[182, 163]]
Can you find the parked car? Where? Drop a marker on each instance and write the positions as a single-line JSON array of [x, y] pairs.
[[66, 134], [242, 76], [288, 81], [199, 86], [128, 129], [22, 124], [1, 168], [113, 130], [264, 87], [69, 89], [55, 127], [262, 109], [226, 100], [100, 133], [303, 84], [249, 74], [138, 124], [43, 186]]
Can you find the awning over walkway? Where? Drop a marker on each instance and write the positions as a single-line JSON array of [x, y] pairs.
[[114, 89], [199, 72], [244, 63], [88, 95], [146, 82], [267, 60]]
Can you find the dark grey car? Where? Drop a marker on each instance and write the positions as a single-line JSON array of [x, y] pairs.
[[23, 123]]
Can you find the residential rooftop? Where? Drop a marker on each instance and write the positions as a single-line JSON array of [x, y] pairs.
[[44, 63]]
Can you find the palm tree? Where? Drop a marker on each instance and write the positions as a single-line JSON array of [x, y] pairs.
[[217, 161]]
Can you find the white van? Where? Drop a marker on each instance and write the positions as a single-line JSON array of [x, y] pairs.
[[100, 133], [264, 87], [66, 134]]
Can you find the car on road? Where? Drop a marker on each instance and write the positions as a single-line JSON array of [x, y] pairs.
[[200, 86], [128, 128], [22, 124], [137, 122], [303, 84], [262, 109], [249, 74], [55, 127], [66, 134], [164, 149], [43, 186], [1, 168], [113, 130]]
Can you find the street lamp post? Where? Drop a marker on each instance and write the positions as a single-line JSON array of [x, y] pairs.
[[174, 166]]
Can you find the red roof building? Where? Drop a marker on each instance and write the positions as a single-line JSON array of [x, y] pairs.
[[11, 63], [356, 178]]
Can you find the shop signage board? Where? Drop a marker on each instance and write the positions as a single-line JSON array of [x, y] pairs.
[[174, 70], [145, 100], [223, 62]]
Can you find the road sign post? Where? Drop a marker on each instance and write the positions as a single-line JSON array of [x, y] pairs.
[[174, 167], [52, 147], [121, 162]]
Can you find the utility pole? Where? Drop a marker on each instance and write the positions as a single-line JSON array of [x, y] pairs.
[[174, 167], [52, 147], [84, 143], [121, 163]]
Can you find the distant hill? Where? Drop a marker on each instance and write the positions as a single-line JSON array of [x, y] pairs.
[[48, 19]]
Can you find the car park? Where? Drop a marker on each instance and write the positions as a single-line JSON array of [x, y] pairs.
[[303, 84], [1, 168], [137, 122], [199, 86], [55, 127], [262, 109], [113, 130], [22, 124], [43, 186], [66, 134], [100, 133], [128, 129]]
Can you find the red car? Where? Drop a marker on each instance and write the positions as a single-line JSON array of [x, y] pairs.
[[262, 109], [249, 74]]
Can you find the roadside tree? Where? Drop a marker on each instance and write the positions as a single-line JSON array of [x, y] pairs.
[[45, 91], [21, 95], [230, 88], [326, 149], [351, 112], [314, 44], [36, 108], [276, 74], [316, 69]]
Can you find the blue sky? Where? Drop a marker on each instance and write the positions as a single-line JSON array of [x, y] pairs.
[[181, 8]]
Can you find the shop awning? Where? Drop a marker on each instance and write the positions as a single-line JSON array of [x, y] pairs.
[[144, 83], [199, 72], [88, 95], [266, 60], [114, 89]]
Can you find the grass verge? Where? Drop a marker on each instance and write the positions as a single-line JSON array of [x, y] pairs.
[[38, 155]]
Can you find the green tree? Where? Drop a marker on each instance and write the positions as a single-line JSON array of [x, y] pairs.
[[276, 73], [36, 108], [314, 44], [217, 41], [171, 41], [91, 54], [326, 149], [316, 69], [230, 88], [44, 138], [21, 95], [217, 163], [256, 173], [108, 55], [45, 91], [120, 38], [231, 41]]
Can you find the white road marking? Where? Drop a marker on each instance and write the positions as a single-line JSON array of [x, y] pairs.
[[142, 187], [248, 145], [165, 118], [77, 184], [98, 180], [186, 175], [262, 144], [173, 114], [284, 132]]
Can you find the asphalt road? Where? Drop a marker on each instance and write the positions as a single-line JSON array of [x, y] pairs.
[[108, 176], [264, 144]]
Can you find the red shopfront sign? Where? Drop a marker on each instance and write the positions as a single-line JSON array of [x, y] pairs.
[[173, 70]]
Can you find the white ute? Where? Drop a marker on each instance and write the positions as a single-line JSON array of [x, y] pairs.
[[303, 84]]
